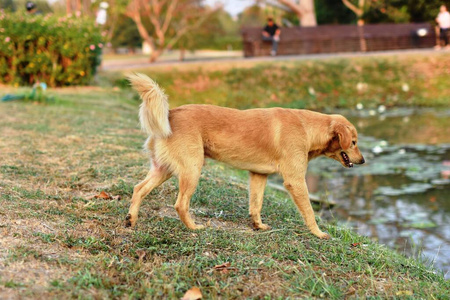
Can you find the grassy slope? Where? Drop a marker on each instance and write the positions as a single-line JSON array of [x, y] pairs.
[[396, 80], [57, 242]]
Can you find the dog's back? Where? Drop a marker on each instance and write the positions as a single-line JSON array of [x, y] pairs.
[[246, 139], [253, 139]]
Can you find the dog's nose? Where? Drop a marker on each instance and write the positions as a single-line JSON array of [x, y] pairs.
[[362, 161]]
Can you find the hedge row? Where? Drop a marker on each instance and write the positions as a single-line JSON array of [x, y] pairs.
[[57, 51]]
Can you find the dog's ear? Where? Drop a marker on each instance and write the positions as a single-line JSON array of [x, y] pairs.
[[344, 135]]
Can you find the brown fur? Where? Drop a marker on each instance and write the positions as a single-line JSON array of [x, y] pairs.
[[262, 141]]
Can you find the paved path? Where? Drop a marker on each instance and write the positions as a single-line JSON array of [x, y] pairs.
[[141, 63]]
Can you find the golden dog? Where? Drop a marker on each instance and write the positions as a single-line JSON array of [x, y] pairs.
[[262, 141]]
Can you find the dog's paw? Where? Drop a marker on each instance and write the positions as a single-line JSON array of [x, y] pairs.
[[262, 227], [197, 227], [129, 222], [324, 236]]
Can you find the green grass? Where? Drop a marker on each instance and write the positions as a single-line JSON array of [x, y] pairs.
[[58, 242], [397, 80]]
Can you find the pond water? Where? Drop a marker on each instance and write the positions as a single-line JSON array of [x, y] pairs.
[[401, 196]]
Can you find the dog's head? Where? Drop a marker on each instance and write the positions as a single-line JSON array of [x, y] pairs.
[[343, 146]]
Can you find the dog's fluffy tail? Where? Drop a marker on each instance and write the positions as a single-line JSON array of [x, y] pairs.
[[154, 110]]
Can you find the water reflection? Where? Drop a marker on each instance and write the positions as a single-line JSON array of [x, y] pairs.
[[401, 196]]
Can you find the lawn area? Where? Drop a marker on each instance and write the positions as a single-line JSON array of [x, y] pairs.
[[58, 241], [406, 80]]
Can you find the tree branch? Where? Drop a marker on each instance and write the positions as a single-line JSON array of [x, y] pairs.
[[357, 10], [154, 19], [134, 13], [169, 15], [296, 8], [186, 28], [170, 20]]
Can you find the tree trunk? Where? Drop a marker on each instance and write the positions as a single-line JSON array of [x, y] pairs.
[[155, 54], [308, 18], [359, 12], [78, 8], [362, 38], [305, 11], [182, 52], [87, 8], [68, 7]]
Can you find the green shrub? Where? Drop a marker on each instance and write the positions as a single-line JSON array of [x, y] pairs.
[[55, 50]]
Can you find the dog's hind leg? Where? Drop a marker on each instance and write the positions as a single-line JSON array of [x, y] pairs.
[[187, 180], [155, 177], [256, 191]]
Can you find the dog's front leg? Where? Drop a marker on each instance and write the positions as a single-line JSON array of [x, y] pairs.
[[299, 192], [256, 191]]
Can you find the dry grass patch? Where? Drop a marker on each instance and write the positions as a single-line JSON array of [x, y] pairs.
[[57, 241]]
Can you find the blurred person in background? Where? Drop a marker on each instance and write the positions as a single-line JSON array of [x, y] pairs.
[[443, 20], [102, 14], [271, 33], [31, 8]]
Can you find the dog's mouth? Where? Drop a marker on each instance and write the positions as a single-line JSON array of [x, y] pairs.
[[346, 159]]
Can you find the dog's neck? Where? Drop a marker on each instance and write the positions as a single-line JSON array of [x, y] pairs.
[[314, 154], [318, 144]]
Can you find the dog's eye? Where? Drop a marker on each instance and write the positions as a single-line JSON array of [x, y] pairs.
[[354, 143]]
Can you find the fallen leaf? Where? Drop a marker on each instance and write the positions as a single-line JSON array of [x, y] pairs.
[[141, 254], [193, 294], [103, 195], [222, 266]]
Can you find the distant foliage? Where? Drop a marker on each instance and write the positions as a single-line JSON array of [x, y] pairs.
[[221, 32], [125, 33], [57, 51], [333, 12]]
